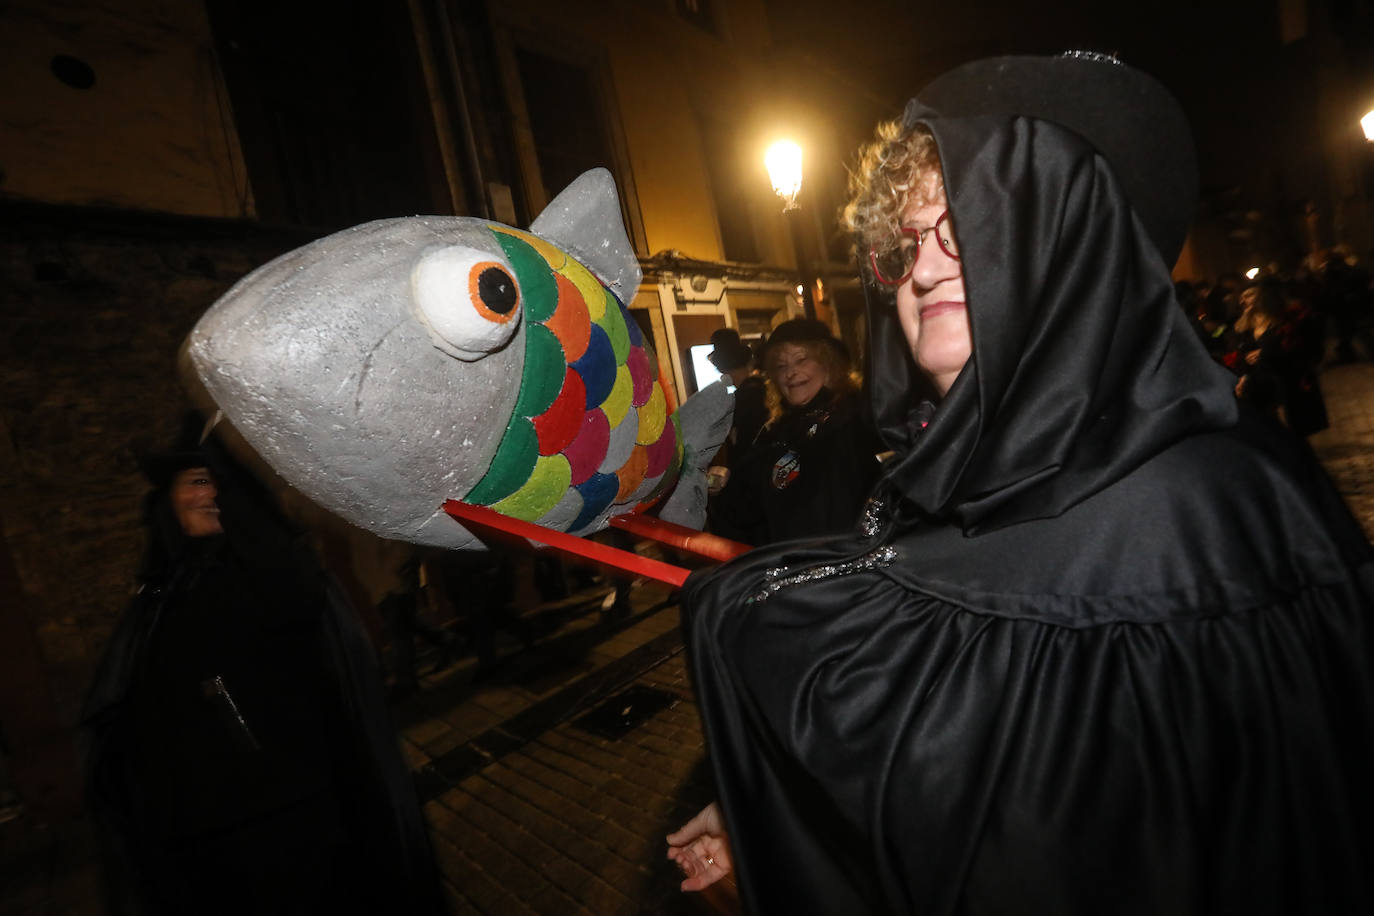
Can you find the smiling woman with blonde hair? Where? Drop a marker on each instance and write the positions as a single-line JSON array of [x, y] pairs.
[[811, 467], [804, 345]]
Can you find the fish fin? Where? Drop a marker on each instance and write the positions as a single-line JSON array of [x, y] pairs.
[[584, 220], [705, 422]]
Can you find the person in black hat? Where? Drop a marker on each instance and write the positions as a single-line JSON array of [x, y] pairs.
[[813, 464], [729, 354], [238, 751], [733, 358], [1103, 642]]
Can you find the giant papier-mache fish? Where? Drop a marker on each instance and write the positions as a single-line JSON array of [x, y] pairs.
[[387, 368]]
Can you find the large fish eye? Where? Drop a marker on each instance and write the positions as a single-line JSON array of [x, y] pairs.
[[496, 290], [468, 301]]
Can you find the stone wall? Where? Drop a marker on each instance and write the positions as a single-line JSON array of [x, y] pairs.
[[95, 307], [117, 104]]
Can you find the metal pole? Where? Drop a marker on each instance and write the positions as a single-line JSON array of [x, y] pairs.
[[794, 228]]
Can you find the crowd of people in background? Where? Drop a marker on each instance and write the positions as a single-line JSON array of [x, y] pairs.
[[1272, 330]]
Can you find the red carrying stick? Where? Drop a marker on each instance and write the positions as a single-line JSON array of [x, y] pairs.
[[480, 518], [688, 540]]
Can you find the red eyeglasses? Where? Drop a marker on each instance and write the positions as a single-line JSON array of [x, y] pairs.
[[898, 260]]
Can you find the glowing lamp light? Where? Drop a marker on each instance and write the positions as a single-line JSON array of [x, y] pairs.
[[1252, 273], [799, 290], [1367, 124], [784, 162]]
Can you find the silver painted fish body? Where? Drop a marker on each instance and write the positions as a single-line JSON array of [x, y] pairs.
[[389, 367]]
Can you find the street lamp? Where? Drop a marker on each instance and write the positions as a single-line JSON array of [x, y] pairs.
[[1367, 124], [784, 162]]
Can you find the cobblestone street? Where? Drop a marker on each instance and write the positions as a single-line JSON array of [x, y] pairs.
[[532, 811], [1346, 449]]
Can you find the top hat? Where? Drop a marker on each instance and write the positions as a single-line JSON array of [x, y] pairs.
[[730, 352]]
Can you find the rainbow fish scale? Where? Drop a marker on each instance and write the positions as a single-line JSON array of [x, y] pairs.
[[621, 396], [562, 515], [620, 445], [593, 293], [640, 375], [546, 485], [589, 447], [652, 416], [570, 323], [540, 291], [559, 425], [632, 326], [544, 372], [512, 466], [521, 482], [671, 444], [663, 451], [590, 383], [675, 465], [598, 493], [612, 321], [597, 367]]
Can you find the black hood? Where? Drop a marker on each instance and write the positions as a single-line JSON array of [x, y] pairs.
[[1083, 365]]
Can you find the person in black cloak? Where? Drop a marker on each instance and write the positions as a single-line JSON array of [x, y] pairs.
[[1102, 642], [238, 752], [733, 357]]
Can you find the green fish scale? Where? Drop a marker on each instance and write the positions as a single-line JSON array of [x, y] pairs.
[[613, 323], [541, 380]]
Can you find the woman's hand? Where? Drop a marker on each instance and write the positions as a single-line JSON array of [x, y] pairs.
[[701, 849]]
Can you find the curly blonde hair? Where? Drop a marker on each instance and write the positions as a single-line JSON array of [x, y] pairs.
[[889, 177]]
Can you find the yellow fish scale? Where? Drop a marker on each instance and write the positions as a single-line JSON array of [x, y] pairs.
[[557, 259], [617, 403], [652, 417], [551, 477], [593, 293]]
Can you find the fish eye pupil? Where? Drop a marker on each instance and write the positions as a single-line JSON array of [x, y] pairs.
[[497, 290]]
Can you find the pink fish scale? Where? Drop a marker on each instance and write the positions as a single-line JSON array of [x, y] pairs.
[[585, 452], [641, 374], [662, 452]]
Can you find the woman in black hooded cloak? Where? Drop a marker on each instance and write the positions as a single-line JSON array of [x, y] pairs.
[[238, 752], [1103, 641]]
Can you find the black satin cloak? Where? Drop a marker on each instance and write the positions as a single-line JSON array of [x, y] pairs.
[[371, 781], [1122, 661]]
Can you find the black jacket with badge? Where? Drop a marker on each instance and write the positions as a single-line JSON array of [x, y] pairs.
[[806, 475], [1110, 646]]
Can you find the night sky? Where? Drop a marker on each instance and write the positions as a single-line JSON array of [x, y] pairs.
[[1261, 108]]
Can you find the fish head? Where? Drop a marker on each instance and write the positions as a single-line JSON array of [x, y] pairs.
[[378, 369], [374, 369]]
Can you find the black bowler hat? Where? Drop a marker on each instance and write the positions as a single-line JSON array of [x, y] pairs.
[[1128, 116], [803, 330]]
